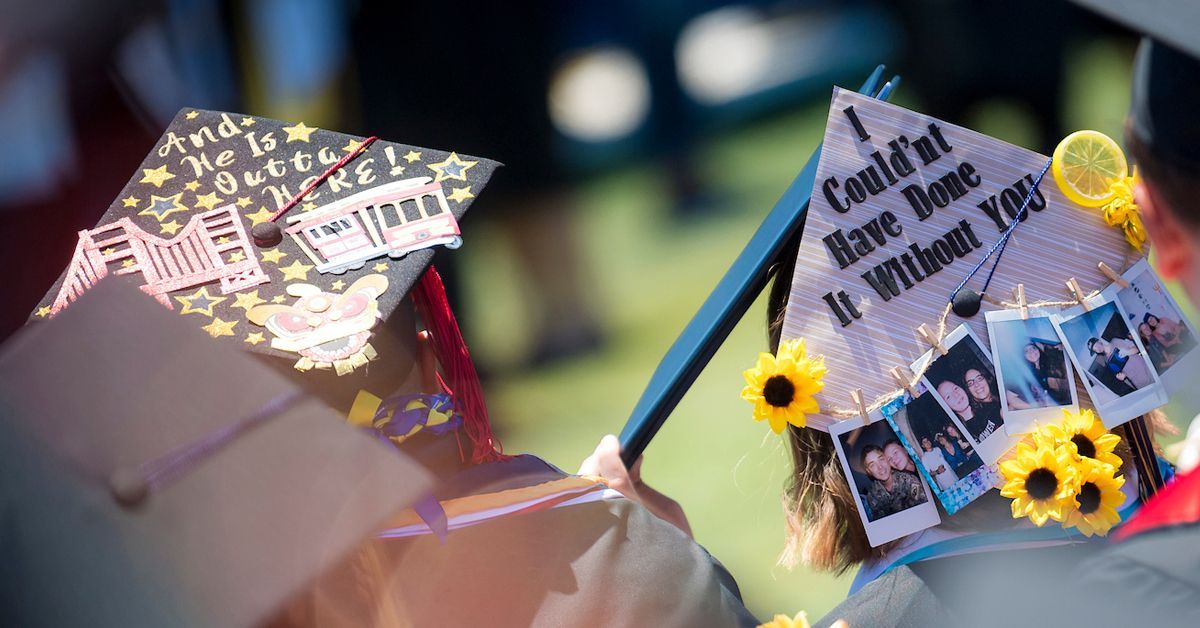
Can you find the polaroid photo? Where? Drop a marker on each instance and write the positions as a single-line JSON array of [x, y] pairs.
[[931, 441], [1169, 337], [1114, 366], [1032, 369], [964, 382], [892, 502]]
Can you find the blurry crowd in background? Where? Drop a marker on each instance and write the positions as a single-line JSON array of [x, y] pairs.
[[557, 91]]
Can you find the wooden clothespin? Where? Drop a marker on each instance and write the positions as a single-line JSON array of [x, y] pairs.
[[1077, 292], [903, 380], [1021, 303], [1112, 275], [932, 339], [856, 396]]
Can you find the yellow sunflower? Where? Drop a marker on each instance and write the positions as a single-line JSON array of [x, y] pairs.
[[1087, 433], [783, 621], [1098, 498], [1041, 481], [782, 386]]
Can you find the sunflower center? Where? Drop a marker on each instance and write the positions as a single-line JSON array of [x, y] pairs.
[[1086, 447], [779, 391], [1088, 498], [1041, 483]]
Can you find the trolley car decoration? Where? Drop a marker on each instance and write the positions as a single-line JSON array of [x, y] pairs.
[[328, 330], [393, 219], [196, 256]]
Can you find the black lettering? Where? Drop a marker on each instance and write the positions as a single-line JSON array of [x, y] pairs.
[[882, 281], [862, 246], [937, 194], [875, 231], [855, 191], [954, 185], [943, 252], [927, 259], [858, 126], [989, 207], [845, 299], [1011, 201], [919, 201], [870, 178], [966, 227], [898, 271], [887, 220], [912, 267], [837, 311], [899, 159], [887, 172], [937, 135], [958, 242], [925, 150], [828, 187], [968, 174], [1037, 202], [840, 248]]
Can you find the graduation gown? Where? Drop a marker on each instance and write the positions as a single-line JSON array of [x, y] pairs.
[[603, 562]]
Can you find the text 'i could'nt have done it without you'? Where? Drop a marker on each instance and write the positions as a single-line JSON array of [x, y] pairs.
[[917, 263]]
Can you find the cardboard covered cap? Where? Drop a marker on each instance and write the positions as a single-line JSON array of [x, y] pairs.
[[188, 229], [251, 488]]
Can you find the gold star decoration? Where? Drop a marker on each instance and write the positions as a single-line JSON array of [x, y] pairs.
[[461, 194], [130, 201], [223, 240], [452, 168], [273, 256], [352, 146], [191, 186], [412, 156], [191, 115], [247, 300], [156, 176], [298, 133], [43, 311], [380, 267], [243, 202], [128, 262], [237, 256], [295, 271], [170, 228], [247, 121], [397, 170], [200, 302], [207, 201], [307, 207], [279, 298], [218, 327], [109, 251], [255, 338], [162, 206], [260, 216], [338, 285]]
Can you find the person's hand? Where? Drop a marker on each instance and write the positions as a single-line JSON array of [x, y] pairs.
[[606, 463]]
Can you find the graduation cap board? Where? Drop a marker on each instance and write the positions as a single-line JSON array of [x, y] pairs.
[[904, 207], [248, 491], [199, 228]]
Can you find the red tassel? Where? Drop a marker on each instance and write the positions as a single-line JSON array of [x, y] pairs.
[[430, 298]]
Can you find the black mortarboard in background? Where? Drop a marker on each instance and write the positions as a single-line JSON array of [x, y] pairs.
[[1166, 76], [349, 252], [154, 477]]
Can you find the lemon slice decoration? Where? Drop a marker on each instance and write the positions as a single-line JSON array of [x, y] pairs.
[[1086, 164]]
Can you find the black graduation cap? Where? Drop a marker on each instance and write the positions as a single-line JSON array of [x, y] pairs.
[[1166, 77], [198, 228], [154, 477]]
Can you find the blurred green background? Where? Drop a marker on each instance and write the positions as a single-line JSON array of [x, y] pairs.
[[649, 275]]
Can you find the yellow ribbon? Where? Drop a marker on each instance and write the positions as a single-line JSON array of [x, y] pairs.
[[1122, 212], [362, 414]]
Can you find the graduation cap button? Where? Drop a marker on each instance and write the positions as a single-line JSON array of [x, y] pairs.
[[266, 234], [966, 303], [128, 487]]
